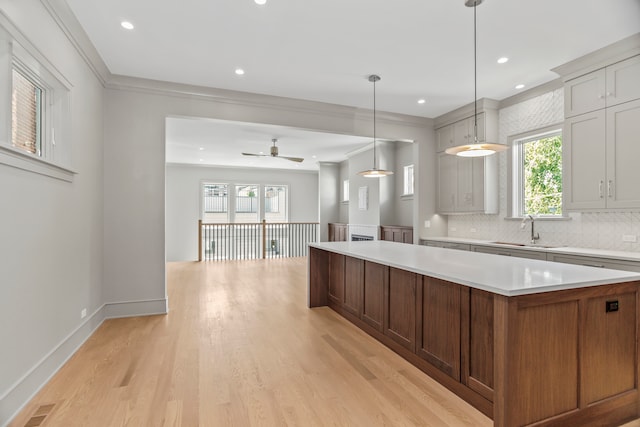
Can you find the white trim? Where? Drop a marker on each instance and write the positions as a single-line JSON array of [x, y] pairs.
[[18, 159], [114, 310]]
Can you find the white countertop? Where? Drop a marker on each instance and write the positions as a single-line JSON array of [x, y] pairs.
[[507, 276], [567, 250]]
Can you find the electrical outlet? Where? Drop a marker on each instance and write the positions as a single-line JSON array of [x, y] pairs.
[[629, 238], [472, 230], [427, 224], [83, 313]]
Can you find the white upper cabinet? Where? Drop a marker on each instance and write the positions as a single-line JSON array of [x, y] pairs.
[[601, 151], [467, 185], [606, 87], [623, 155]]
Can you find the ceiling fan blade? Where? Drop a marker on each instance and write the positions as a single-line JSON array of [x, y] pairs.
[[256, 155], [293, 159]]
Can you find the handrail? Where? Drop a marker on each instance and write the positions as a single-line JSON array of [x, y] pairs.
[[251, 240]]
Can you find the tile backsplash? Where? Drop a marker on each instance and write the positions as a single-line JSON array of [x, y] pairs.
[[598, 230]]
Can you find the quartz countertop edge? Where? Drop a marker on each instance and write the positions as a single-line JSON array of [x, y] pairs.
[[506, 276]]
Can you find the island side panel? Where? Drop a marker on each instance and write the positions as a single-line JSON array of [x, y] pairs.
[[318, 279], [561, 358]]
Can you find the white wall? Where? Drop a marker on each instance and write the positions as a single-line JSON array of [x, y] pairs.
[[403, 205], [183, 199], [329, 197], [344, 206], [51, 235]]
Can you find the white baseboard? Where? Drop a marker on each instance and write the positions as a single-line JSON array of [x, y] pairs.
[[136, 308], [23, 390]]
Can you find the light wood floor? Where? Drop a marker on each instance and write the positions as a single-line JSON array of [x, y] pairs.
[[240, 348]]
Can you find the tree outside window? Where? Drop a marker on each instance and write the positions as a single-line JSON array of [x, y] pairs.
[[537, 174]]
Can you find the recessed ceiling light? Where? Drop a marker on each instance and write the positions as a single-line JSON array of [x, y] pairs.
[[421, 101], [502, 60], [201, 160], [127, 25], [239, 71], [313, 157], [260, 2], [520, 86], [201, 148]]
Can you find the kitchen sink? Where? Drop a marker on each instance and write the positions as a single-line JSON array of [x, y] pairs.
[[525, 245]]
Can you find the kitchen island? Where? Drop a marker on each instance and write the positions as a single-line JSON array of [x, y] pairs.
[[527, 342]]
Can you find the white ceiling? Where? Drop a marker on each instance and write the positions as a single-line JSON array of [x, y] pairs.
[[323, 50]]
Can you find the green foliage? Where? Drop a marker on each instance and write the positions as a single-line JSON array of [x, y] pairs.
[[543, 176]]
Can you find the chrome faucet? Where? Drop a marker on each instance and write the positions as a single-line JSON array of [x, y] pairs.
[[534, 236]]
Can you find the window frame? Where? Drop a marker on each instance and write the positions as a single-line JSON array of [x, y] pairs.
[[54, 159], [515, 180], [408, 190], [284, 211], [345, 191]]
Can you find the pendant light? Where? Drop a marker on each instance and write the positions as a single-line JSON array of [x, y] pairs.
[[374, 172], [476, 149]]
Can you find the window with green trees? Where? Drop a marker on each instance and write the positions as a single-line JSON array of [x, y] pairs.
[[538, 175]]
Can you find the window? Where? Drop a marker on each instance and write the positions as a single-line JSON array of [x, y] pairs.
[[345, 190], [246, 203], [34, 109], [408, 180], [215, 203], [537, 174], [276, 203], [26, 111]]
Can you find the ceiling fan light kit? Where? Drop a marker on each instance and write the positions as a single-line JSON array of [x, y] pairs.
[[476, 149], [374, 172], [273, 152]]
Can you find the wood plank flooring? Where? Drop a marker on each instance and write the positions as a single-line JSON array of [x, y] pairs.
[[239, 347]]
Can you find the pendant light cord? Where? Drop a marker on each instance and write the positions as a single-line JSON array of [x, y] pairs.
[[475, 77], [374, 123]]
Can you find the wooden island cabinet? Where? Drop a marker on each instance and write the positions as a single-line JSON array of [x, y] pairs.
[[558, 349]]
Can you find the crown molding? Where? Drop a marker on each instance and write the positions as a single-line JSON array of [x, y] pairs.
[[615, 52], [242, 168], [532, 93], [65, 19]]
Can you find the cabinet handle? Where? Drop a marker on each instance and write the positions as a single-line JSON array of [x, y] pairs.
[[600, 96], [610, 188], [610, 94], [600, 188]]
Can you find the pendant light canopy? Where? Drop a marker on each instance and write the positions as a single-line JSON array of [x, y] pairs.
[[477, 149], [374, 172]]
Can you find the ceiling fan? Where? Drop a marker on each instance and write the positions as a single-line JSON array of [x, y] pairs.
[[274, 153]]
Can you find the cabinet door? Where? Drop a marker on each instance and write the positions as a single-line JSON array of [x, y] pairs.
[[623, 155], [585, 93], [583, 161], [400, 308], [447, 182], [623, 81], [353, 285], [438, 338], [336, 278], [407, 235], [341, 233], [461, 133], [477, 341], [444, 137], [332, 232], [376, 280]]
